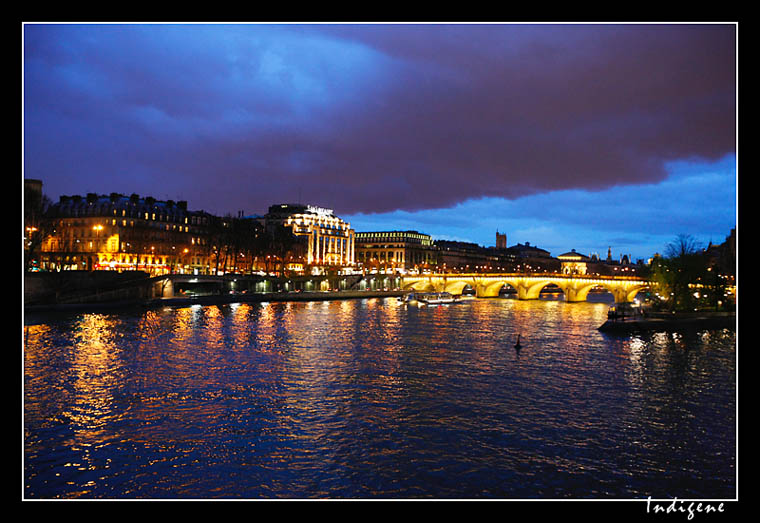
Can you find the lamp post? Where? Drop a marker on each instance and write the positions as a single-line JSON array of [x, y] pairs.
[[97, 228]]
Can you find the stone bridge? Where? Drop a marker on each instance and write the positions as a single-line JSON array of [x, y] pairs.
[[528, 286]]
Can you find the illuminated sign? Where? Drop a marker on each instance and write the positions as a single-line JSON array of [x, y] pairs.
[[319, 210]]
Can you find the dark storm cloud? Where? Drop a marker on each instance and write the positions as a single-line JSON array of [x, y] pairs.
[[371, 118]]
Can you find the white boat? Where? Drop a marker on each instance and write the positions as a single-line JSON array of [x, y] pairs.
[[429, 298]]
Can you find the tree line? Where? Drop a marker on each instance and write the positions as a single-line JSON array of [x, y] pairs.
[[688, 277]]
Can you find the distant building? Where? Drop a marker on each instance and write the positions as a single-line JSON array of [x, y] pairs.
[[501, 240], [610, 266], [467, 257], [573, 262], [722, 257], [530, 258], [529, 251], [395, 250]]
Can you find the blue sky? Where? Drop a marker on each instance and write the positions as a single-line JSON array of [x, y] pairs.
[[583, 136], [696, 198]]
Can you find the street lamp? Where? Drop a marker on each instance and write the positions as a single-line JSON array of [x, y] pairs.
[[97, 229], [29, 231]]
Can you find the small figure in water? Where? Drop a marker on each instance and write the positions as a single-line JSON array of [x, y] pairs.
[[517, 345]]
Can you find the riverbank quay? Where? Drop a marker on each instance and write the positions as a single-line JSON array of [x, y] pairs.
[[666, 321], [216, 299]]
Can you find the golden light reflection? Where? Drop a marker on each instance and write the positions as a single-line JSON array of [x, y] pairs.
[[33, 340], [266, 328], [212, 332], [241, 332], [636, 353], [97, 374], [183, 324]]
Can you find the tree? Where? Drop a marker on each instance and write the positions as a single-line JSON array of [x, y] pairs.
[[683, 265], [714, 286], [37, 227], [282, 244]]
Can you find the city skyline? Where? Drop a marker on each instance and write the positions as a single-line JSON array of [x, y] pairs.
[[565, 136]]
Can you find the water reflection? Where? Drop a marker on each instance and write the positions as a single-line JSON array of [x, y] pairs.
[[371, 398]]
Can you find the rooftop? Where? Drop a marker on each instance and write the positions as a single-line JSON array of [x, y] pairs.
[[575, 256]]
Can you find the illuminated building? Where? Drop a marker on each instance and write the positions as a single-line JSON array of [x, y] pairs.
[[120, 233], [322, 239], [573, 262], [395, 250]]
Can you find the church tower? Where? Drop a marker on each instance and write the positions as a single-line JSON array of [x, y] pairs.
[[501, 240]]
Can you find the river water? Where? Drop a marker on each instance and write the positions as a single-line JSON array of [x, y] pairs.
[[372, 399]]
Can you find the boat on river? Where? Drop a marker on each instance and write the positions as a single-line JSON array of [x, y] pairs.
[[428, 298]]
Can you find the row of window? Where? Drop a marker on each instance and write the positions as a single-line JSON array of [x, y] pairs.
[[155, 214]]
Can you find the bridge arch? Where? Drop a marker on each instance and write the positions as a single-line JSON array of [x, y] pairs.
[[419, 285], [631, 295], [492, 288], [531, 289], [457, 286], [496, 287], [621, 291], [578, 291], [600, 288]]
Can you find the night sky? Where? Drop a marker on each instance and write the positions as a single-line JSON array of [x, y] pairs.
[[567, 136]]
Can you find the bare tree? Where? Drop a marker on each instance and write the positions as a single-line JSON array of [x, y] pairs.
[[37, 227], [683, 265]]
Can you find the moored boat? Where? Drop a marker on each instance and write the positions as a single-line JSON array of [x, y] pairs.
[[429, 298]]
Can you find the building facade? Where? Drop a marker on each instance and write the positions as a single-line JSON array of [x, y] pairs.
[[574, 262], [395, 250], [323, 240], [118, 232]]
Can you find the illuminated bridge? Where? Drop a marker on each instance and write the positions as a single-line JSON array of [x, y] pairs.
[[527, 285]]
